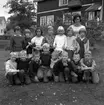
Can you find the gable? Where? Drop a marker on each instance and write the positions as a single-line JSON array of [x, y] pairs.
[[2, 20]]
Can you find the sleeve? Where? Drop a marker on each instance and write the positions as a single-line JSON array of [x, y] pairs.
[[54, 43], [45, 40], [23, 44], [11, 43], [56, 68], [65, 45], [87, 46], [33, 40], [31, 68], [9, 69], [74, 66], [93, 65]]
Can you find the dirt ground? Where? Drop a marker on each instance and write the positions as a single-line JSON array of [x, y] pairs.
[[54, 93]]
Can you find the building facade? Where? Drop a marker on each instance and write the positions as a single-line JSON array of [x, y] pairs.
[[49, 10], [2, 25]]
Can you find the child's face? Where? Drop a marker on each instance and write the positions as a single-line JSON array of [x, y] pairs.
[[61, 32], [76, 58], [50, 31], [17, 32], [27, 35], [88, 56], [82, 34], [38, 32], [64, 57], [70, 33], [13, 58], [46, 49], [36, 57]]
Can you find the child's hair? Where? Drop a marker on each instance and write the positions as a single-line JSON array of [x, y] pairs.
[[82, 30], [70, 29], [50, 27], [46, 45], [88, 53], [38, 28], [64, 53], [13, 54], [76, 54], [17, 28], [23, 53], [27, 31]]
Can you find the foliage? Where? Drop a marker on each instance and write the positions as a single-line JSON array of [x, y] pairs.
[[22, 13]]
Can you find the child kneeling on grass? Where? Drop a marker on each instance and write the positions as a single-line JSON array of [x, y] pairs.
[[89, 68], [34, 66], [76, 73], [23, 65], [44, 71], [12, 73], [62, 69]]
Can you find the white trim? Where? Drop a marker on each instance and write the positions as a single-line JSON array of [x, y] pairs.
[[61, 3], [52, 10], [87, 4], [60, 9]]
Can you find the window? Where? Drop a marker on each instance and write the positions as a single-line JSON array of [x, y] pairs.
[[43, 21], [47, 20], [50, 20], [63, 2], [67, 18]]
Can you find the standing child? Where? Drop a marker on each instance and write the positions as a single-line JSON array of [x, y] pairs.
[[12, 73], [49, 38], [70, 42], [17, 42], [28, 45], [23, 64], [60, 40], [38, 39], [89, 68], [82, 42], [62, 69], [44, 71]]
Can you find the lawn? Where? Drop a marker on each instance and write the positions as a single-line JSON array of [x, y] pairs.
[[52, 93]]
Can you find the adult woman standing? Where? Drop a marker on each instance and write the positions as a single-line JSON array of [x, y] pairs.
[[77, 25]]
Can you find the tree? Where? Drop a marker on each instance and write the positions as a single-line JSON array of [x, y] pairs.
[[23, 12]]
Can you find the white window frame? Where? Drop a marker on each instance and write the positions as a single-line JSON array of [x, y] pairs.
[[50, 20], [61, 2], [43, 21]]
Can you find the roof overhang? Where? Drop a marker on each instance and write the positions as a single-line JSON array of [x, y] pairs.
[[94, 7]]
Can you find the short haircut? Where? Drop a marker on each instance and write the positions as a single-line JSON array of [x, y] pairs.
[[75, 17]]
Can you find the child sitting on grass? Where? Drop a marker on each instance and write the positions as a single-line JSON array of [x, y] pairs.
[[44, 71], [23, 64], [12, 73], [88, 67], [62, 69]]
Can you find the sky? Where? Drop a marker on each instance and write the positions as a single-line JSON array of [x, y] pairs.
[[3, 11]]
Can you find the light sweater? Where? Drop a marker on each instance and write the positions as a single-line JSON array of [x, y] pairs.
[[71, 43], [60, 42], [37, 40], [11, 67], [76, 29]]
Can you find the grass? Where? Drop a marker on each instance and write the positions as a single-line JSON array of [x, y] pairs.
[[52, 93]]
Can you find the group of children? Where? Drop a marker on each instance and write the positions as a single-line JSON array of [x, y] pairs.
[[59, 58]]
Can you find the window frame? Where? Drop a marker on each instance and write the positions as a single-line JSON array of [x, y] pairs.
[[61, 3]]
